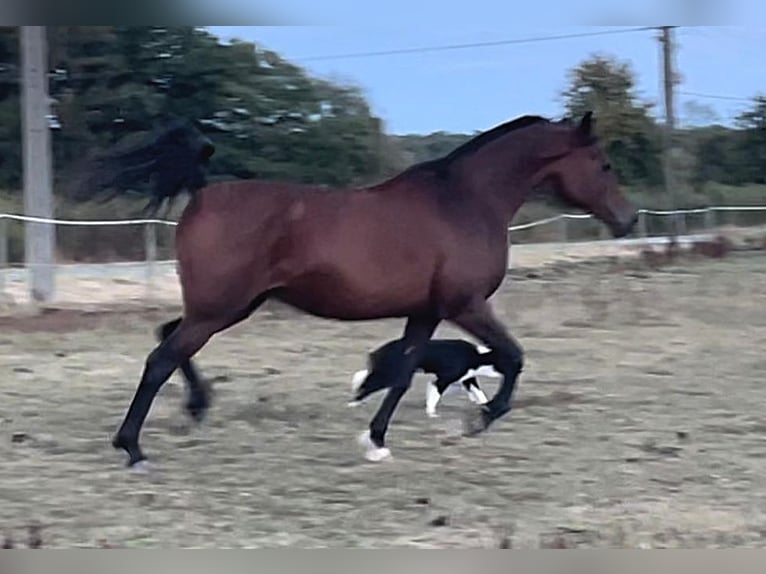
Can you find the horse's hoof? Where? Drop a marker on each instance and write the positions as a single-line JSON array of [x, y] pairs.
[[139, 467], [197, 409], [197, 415], [473, 423], [476, 421], [377, 454], [432, 415], [353, 404], [373, 452]]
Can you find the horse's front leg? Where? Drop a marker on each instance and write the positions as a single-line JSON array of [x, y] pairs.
[[479, 320], [401, 364]]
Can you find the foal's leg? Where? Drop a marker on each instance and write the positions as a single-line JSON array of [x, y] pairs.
[[445, 376], [434, 392], [198, 400], [480, 321], [416, 334], [472, 388]]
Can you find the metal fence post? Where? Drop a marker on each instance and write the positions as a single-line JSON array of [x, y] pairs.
[[150, 253]]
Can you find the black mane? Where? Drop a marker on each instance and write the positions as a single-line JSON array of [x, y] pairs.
[[490, 135], [440, 165]]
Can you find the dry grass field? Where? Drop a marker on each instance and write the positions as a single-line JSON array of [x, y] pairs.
[[639, 421]]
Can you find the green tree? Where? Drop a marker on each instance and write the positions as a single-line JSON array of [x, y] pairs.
[[752, 146], [608, 88], [268, 117], [418, 148], [10, 118]]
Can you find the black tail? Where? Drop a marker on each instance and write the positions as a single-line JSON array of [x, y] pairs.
[[173, 160]]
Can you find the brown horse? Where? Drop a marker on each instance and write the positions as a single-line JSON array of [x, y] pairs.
[[428, 245]]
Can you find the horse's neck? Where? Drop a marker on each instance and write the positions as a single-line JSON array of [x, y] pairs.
[[502, 183], [503, 173]]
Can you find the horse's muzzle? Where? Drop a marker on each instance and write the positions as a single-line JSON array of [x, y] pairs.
[[625, 227]]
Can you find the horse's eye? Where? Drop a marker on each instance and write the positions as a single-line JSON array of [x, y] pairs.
[[607, 167]]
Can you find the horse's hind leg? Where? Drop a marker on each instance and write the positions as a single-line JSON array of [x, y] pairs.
[[198, 400], [186, 339]]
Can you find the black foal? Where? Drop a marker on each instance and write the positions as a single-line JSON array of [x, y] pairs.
[[450, 360]]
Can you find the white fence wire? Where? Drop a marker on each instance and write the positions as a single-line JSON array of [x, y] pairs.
[[536, 223], [149, 263]]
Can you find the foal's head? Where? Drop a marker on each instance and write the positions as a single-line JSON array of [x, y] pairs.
[[581, 175]]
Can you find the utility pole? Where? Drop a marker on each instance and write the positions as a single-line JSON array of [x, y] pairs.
[[39, 238], [669, 82]]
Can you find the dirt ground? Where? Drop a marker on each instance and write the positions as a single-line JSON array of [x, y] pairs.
[[639, 422]]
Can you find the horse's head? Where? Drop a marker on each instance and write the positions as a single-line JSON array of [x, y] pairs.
[[582, 176]]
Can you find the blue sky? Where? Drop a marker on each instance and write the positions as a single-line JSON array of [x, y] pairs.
[[474, 89]]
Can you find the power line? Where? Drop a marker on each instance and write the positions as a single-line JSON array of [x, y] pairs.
[[487, 44], [717, 97]]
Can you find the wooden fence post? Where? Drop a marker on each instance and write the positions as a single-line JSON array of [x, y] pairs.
[[642, 223], [3, 253], [710, 219], [150, 253]]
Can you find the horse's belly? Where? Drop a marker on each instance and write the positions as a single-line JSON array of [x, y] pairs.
[[336, 296]]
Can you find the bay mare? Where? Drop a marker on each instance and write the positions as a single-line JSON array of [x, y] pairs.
[[428, 245]]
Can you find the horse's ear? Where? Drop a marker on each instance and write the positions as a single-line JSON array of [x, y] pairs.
[[585, 133]]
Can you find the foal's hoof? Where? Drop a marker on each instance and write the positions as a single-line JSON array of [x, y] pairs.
[[373, 452], [476, 421]]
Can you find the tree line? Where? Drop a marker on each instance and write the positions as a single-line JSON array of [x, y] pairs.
[[270, 119]]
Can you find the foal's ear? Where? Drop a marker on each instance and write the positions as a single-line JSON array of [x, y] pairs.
[[584, 132]]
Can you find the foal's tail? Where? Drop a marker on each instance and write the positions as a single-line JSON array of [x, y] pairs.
[[173, 159]]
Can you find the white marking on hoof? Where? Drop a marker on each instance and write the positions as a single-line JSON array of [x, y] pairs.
[[372, 452], [377, 454], [141, 467]]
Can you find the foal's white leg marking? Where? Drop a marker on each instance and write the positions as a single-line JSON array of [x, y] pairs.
[[358, 379], [477, 396], [470, 391], [372, 452], [432, 399]]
